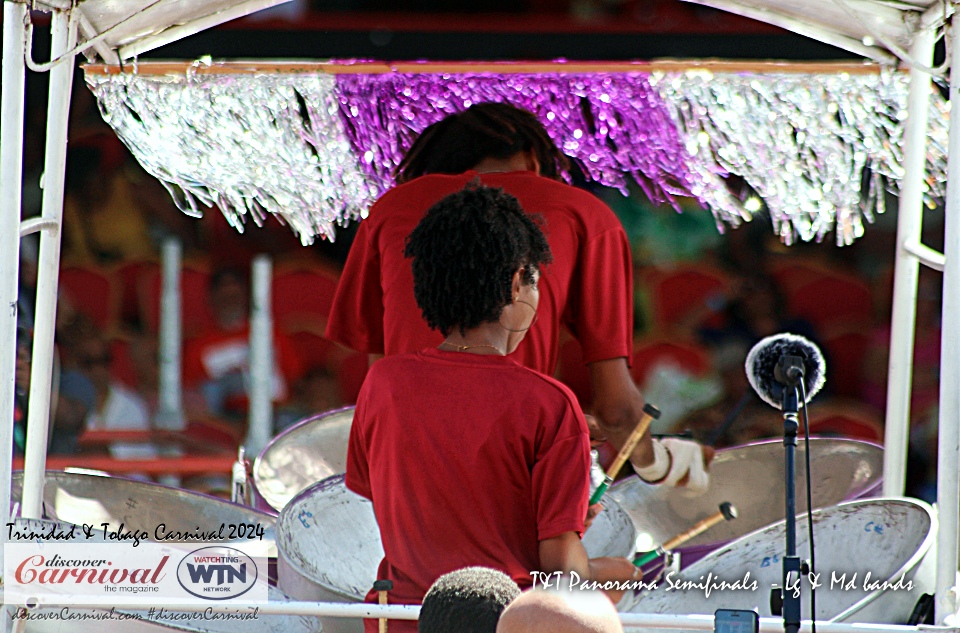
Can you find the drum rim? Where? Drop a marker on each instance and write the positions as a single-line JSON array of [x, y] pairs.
[[766, 442], [284, 518], [125, 480], [255, 468], [913, 562]]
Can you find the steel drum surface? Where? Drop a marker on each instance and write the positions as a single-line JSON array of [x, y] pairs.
[[751, 477], [96, 499], [329, 545], [885, 537], [308, 452]]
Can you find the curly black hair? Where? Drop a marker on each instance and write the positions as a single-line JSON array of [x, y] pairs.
[[469, 600], [465, 251], [484, 130]]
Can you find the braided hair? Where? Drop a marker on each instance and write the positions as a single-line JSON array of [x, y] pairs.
[[484, 130], [465, 251]]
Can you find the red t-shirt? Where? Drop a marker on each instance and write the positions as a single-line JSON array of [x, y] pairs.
[[588, 287], [469, 460]]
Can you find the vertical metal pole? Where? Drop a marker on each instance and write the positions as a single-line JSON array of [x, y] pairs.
[[948, 451], [11, 175], [261, 358], [903, 319], [170, 409], [63, 37]]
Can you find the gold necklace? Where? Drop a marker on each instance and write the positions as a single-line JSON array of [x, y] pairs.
[[463, 348]]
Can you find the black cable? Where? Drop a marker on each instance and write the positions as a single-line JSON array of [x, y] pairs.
[[813, 563]]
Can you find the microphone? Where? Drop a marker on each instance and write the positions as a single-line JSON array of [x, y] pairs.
[[781, 361]]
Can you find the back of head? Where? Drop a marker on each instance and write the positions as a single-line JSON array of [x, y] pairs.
[[465, 251], [547, 611], [485, 130], [468, 600]]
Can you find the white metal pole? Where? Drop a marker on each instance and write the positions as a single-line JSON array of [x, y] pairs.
[[903, 319], [62, 36], [948, 451], [261, 357], [11, 175], [170, 407]]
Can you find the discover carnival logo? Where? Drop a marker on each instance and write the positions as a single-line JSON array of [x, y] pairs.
[[102, 574], [217, 573]]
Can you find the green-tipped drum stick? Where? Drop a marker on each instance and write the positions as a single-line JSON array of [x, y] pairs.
[[727, 513], [650, 413]]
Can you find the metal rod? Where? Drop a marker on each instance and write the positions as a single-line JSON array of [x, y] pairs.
[[701, 622], [62, 35], [909, 224], [11, 175], [34, 225], [261, 357], [170, 406], [948, 451], [926, 255]]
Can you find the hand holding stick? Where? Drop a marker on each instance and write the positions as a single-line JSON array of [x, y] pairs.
[[727, 513], [650, 413]]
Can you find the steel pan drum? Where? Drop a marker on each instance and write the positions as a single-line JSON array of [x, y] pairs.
[[750, 477], [329, 545], [95, 499], [888, 538], [308, 452]]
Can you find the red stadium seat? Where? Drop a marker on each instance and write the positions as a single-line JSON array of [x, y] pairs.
[[93, 292], [846, 348], [675, 294], [121, 365], [128, 275], [851, 420], [302, 295], [832, 300]]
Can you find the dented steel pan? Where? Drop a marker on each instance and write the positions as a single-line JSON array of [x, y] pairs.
[[329, 545], [751, 477], [141, 506], [308, 452], [892, 540]]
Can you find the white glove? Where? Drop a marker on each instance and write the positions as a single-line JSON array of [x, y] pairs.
[[673, 460]]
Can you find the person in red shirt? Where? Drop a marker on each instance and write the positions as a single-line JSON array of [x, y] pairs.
[[217, 363], [588, 288], [468, 457]]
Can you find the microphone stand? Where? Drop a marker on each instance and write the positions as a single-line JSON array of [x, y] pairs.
[[789, 372]]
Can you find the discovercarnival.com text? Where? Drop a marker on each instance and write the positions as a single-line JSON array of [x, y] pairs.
[[158, 614]]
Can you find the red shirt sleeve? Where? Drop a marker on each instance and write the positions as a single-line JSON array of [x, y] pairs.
[[600, 308], [356, 318], [561, 478], [358, 468]]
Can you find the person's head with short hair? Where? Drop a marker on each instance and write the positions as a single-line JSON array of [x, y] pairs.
[[548, 611], [483, 131], [468, 600], [474, 253]]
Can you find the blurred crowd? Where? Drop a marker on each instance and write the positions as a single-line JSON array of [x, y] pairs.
[[702, 300]]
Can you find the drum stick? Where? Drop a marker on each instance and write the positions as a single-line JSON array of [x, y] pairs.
[[650, 413], [382, 587], [727, 513]]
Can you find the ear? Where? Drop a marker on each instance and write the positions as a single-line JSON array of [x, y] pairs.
[[516, 283], [532, 164]]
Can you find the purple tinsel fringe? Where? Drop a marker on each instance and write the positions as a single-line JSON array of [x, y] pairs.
[[611, 125]]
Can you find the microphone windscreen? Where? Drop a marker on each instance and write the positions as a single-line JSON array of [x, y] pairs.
[[762, 363]]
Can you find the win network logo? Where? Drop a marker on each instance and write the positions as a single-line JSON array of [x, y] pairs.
[[217, 573]]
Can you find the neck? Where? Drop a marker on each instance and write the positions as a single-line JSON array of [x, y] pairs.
[[486, 339], [517, 162]]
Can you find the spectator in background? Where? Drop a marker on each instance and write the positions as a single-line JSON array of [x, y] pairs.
[[117, 407], [316, 392], [217, 363], [543, 611], [469, 600]]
